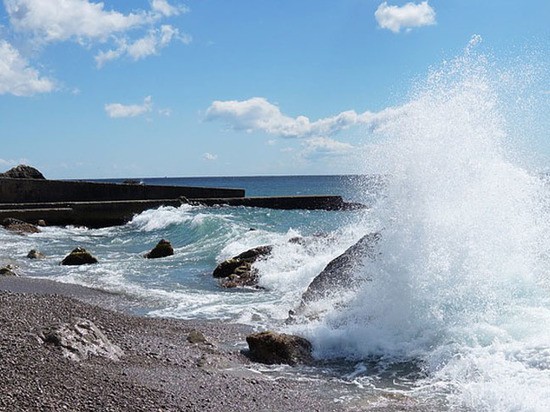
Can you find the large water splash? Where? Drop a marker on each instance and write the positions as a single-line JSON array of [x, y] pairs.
[[461, 285]]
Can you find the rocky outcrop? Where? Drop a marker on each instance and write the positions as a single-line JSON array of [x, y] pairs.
[[19, 226], [8, 270], [79, 339], [35, 254], [238, 271], [162, 249], [279, 348], [339, 274], [79, 256], [23, 172]]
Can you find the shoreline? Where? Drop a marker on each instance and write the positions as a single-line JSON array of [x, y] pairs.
[[159, 370]]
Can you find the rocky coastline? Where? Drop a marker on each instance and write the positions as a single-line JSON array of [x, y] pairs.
[[163, 364]]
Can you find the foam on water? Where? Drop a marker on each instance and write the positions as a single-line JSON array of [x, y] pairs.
[[462, 282]]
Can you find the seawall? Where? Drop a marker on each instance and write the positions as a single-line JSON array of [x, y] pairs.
[[47, 191]]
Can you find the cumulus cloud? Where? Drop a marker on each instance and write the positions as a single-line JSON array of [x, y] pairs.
[[17, 77], [258, 114], [410, 15], [117, 110], [56, 20], [210, 156], [151, 44], [136, 34]]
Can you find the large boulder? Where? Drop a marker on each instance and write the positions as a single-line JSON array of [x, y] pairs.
[[79, 256], [23, 172], [238, 271], [278, 348], [340, 274], [19, 226], [79, 339], [162, 249]]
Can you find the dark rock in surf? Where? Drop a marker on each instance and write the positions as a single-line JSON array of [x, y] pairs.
[[162, 249], [35, 254], [79, 339], [79, 256], [8, 270], [339, 273], [279, 348], [238, 271], [19, 226], [23, 172]]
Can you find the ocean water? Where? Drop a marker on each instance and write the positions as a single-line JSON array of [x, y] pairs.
[[454, 312]]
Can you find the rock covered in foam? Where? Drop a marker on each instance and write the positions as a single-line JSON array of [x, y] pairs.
[[79, 339], [279, 348], [238, 271], [340, 273], [162, 249], [79, 256]]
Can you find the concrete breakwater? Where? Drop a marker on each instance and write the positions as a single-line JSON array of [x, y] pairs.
[[97, 205]]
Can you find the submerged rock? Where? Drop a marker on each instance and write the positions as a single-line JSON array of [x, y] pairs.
[[79, 256], [23, 172], [338, 275], [80, 339], [278, 348], [35, 254], [238, 271], [19, 226], [162, 249], [8, 270]]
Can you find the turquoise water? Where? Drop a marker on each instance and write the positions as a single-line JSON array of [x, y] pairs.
[[182, 286]]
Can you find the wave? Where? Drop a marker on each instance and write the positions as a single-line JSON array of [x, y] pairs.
[[461, 285]]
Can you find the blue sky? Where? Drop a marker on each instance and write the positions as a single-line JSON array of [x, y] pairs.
[[213, 87]]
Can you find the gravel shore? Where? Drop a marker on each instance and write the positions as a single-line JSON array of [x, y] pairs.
[[160, 370]]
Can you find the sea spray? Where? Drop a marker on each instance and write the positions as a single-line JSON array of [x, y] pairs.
[[461, 284]]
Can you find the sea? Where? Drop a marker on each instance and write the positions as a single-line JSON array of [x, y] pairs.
[[453, 313]]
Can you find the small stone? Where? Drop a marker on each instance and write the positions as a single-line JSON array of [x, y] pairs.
[[279, 348], [19, 226], [35, 254], [196, 336], [162, 249], [79, 256], [8, 270]]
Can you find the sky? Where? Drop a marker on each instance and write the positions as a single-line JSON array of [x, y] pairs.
[[152, 88]]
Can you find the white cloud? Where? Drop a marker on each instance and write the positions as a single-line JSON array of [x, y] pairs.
[[410, 15], [258, 114], [210, 156], [117, 110], [167, 112], [136, 34], [155, 40], [57, 20], [17, 77], [166, 9], [326, 145]]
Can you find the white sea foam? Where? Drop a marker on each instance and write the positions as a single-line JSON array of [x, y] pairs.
[[462, 283]]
